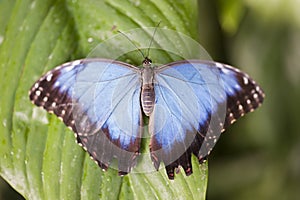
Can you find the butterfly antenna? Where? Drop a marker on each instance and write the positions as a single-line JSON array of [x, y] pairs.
[[132, 43], [152, 38]]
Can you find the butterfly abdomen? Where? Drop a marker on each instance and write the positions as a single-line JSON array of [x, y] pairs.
[[147, 98]]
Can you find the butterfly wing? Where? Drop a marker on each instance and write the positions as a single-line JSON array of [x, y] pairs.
[[195, 102], [99, 100]]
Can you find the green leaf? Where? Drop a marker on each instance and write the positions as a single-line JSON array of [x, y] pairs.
[[38, 155]]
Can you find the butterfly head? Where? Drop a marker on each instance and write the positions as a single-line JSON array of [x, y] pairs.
[[147, 62]]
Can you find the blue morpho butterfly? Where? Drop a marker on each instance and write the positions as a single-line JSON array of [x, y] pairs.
[[189, 103]]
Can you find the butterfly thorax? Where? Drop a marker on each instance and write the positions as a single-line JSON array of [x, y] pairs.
[[147, 94]]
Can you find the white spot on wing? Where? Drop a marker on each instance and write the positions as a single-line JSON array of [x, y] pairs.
[[257, 89], [255, 95], [246, 80], [37, 93], [49, 77], [240, 107]]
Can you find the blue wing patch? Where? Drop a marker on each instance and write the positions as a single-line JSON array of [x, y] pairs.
[[99, 100], [195, 102]]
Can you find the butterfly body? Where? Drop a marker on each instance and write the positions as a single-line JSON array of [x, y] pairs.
[[189, 103], [147, 94]]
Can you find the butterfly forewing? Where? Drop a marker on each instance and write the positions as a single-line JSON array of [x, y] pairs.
[[99, 100], [195, 102]]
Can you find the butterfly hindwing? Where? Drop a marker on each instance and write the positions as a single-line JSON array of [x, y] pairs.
[[99, 100], [195, 102]]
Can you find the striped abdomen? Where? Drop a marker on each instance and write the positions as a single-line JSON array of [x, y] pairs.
[[147, 98]]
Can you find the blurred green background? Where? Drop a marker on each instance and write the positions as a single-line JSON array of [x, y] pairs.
[[259, 156]]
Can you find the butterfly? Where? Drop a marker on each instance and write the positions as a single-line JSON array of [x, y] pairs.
[[189, 103]]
